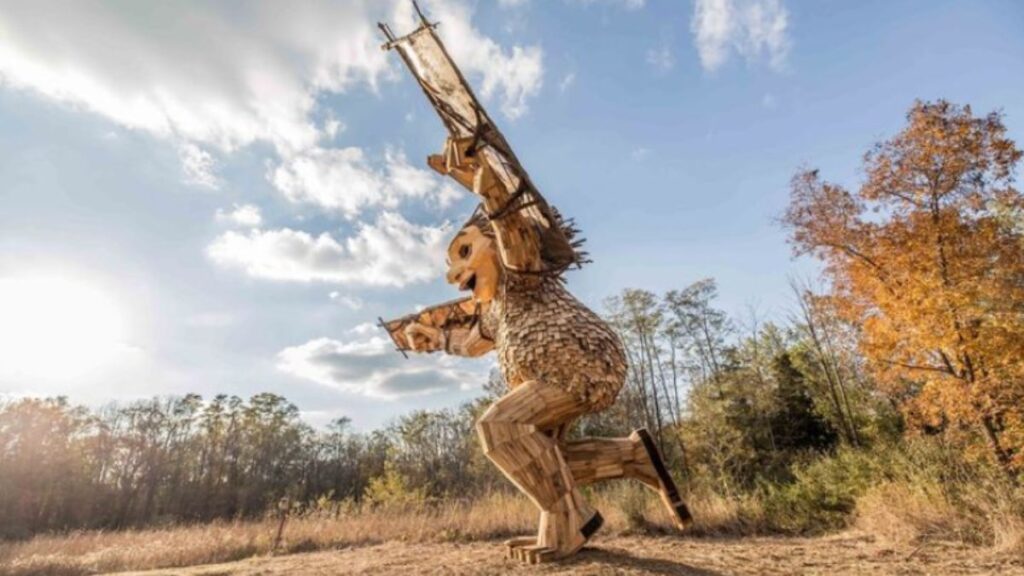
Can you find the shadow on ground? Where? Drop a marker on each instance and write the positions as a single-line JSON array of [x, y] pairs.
[[624, 560]]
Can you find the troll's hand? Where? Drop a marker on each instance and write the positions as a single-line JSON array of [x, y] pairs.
[[422, 338]]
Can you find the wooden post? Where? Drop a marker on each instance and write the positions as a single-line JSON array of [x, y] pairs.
[[283, 508]]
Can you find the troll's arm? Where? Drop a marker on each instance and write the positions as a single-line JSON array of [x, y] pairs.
[[515, 226], [530, 236], [452, 327], [468, 342]]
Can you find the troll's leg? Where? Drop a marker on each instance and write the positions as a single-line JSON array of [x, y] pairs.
[[513, 435], [595, 459]]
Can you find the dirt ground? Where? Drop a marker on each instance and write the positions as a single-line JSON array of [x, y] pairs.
[[834, 555]]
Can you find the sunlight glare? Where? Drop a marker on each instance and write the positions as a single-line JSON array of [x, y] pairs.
[[56, 327]]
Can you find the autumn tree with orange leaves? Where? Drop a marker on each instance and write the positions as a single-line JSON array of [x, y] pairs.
[[926, 260]]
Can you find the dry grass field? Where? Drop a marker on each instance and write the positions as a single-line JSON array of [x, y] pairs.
[[466, 538]]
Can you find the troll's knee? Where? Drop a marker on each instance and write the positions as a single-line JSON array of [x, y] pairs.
[[497, 431]]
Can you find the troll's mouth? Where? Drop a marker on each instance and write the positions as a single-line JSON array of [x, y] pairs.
[[468, 283]]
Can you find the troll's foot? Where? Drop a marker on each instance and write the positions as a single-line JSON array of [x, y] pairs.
[[554, 543], [666, 487]]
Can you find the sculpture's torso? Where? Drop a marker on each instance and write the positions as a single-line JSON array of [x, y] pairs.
[[541, 332]]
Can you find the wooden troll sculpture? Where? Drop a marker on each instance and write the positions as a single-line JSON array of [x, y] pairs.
[[559, 359]]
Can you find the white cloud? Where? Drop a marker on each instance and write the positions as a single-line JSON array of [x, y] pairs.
[[197, 166], [751, 28], [247, 215], [365, 329], [217, 75], [515, 74], [661, 58], [211, 320], [344, 181], [567, 81], [446, 195], [370, 366], [389, 252], [333, 127], [213, 73], [349, 301], [228, 74], [640, 154]]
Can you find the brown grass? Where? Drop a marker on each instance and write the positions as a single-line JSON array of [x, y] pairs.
[[97, 551], [898, 513], [904, 513], [496, 516]]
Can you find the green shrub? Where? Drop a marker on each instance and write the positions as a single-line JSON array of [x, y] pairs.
[[823, 494], [392, 489]]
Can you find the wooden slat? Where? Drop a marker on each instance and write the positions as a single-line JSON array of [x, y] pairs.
[[461, 313]]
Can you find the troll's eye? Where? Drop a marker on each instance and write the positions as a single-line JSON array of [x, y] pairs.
[[464, 251]]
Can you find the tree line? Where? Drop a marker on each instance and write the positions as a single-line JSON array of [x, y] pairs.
[[185, 459]]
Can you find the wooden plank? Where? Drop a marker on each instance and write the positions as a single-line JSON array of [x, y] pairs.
[[460, 313], [475, 139]]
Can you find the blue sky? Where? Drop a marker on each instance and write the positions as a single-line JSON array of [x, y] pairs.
[[219, 197]]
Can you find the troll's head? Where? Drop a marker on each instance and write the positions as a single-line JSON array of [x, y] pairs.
[[473, 261]]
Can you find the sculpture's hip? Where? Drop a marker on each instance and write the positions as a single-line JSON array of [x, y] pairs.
[[543, 333]]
